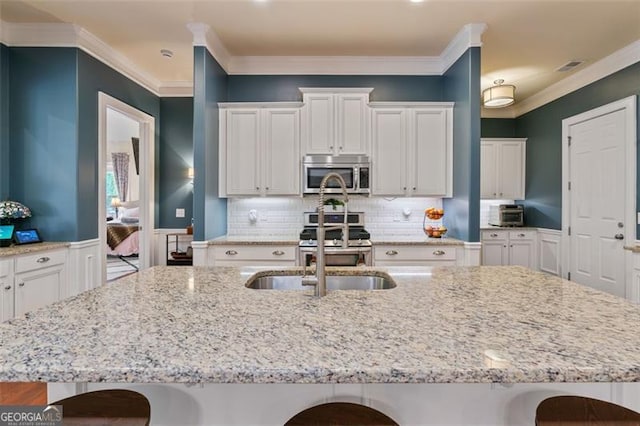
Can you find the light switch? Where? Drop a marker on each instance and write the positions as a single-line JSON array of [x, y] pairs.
[[638, 218], [179, 212]]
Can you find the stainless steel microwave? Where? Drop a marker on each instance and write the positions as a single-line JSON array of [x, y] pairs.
[[506, 215], [354, 169]]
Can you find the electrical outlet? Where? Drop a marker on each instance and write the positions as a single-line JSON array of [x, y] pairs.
[[179, 212], [638, 218]]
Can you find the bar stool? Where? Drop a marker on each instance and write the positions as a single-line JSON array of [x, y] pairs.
[[340, 413], [580, 410], [106, 407]]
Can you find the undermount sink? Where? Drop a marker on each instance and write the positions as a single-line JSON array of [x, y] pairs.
[[379, 281]]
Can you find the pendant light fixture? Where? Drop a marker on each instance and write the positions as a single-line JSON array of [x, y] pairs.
[[498, 96]]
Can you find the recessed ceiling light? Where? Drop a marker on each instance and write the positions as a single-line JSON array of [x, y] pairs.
[[166, 53], [416, 1]]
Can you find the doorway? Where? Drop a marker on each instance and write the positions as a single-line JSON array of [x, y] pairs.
[[126, 182], [599, 193]]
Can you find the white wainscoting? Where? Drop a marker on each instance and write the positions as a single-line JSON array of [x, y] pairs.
[[84, 267], [549, 251], [472, 254], [633, 275], [159, 255]]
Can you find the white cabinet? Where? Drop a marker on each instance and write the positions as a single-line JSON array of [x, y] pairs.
[[412, 149], [259, 149], [506, 247], [502, 168], [408, 255], [252, 255], [39, 280], [6, 289], [335, 121]]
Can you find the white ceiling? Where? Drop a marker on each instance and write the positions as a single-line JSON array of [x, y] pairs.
[[525, 41]]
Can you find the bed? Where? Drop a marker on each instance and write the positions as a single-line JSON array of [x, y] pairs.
[[123, 235]]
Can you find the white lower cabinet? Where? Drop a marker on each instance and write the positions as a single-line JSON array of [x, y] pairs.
[[32, 281], [408, 255], [252, 255], [505, 247]]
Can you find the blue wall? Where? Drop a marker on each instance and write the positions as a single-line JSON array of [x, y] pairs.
[[273, 88], [209, 88], [43, 129], [498, 128], [4, 121], [462, 85], [176, 156], [94, 77], [543, 128]]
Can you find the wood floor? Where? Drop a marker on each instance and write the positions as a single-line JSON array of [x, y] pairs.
[[23, 393]]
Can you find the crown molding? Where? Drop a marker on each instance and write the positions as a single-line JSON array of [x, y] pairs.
[[469, 36], [618, 60], [508, 112], [204, 36], [70, 35]]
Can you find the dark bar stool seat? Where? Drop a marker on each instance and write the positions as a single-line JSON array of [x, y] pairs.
[[580, 410], [340, 413], [105, 408]]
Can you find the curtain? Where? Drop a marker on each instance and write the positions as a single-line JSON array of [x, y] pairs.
[[121, 173]]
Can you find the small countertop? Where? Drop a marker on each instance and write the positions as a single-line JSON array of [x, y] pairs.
[[633, 249], [441, 325], [16, 250], [507, 228], [416, 241], [289, 240]]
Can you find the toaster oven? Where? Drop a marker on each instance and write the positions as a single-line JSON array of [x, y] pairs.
[[506, 215]]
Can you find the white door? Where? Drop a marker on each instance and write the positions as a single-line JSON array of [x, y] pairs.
[[38, 288], [427, 162], [352, 123], [389, 152], [243, 141], [281, 158], [597, 177], [488, 177], [511, 167]]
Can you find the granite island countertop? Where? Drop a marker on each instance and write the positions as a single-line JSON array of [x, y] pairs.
[[440, 325]]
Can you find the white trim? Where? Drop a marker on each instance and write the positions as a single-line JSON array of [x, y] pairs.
[[147, 176], [627, 104], [472, 253], [176, 89], [469, 36], [260, 104], [341, 90], [200, 253], [623, 58], [204, 36], [549, 238], [84, 271], [83, 244]]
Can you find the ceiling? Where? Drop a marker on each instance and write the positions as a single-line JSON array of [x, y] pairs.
[[525, 41]]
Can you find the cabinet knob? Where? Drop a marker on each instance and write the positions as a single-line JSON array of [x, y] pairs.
[[439, 252], [505, 246], [414, 188], [231, 252], [278, 252], [404, 188], [257, 188], [340, 148], [501, 194], [8, 287], [43, 259], [520, 235], [391, 252], [494, 194], [493, 235], [266, 188], [331, 147], [21, 285]]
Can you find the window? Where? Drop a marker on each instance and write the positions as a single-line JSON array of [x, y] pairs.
[[111, 190]]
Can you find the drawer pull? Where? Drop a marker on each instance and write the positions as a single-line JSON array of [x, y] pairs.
[[439, 252], [493, 235], [521, 235], [391, 252], [43, 259], [21, 285], [278, 253], [8, 287], [231, 252]]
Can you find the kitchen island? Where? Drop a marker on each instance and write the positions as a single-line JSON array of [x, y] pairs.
[[441, 327]]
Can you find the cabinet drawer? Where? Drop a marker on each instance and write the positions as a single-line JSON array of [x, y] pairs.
[[494, 235], [249, 252], [522, 235], [401, 253], [40, 260]]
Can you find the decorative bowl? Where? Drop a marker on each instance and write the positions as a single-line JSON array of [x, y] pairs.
[[433, 213]]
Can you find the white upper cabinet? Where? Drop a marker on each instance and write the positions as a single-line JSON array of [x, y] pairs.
[[412, 149], [259, 149], [335, 121], [502, 168]]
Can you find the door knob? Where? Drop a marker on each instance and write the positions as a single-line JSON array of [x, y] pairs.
[[619, 237]]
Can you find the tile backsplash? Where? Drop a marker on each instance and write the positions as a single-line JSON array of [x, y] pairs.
[[282, 217]]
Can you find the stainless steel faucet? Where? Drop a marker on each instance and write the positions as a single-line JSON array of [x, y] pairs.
[[320, 279]]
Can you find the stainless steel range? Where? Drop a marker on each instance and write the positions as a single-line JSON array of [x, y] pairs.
[[357, 252]]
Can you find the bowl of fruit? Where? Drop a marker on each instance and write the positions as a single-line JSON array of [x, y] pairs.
[[433, 213], [435, 231]]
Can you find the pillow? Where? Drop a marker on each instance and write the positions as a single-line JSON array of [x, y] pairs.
[[129, 220], [131, 213], [131, 204]]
